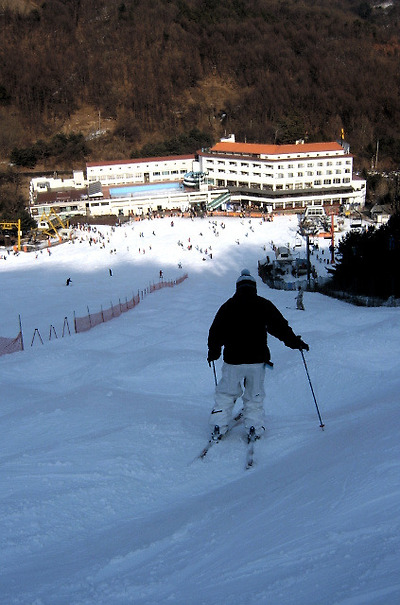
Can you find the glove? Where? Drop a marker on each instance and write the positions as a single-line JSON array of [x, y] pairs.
[[213, 354], [299, 344]]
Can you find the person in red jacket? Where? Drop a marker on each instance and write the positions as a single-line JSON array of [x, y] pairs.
[[240, 327]]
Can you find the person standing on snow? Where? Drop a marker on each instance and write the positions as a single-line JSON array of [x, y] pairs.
[[299, 299], [241, 326]]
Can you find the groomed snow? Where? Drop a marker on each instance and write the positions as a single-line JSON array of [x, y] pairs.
[[101, 501]]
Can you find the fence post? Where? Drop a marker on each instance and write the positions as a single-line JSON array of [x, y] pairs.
[[52, 328], [65, 322], [34, 334], [20, 331]]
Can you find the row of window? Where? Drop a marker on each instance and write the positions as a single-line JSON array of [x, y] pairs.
[[137, 177], [150, 167], [270, 187], [289, 175], [254, 166]]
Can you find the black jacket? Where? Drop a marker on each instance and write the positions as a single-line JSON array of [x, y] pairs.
[[241, 326]]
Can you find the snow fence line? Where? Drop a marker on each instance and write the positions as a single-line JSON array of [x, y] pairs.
[[11, 345], [85, 323], [89, 321]]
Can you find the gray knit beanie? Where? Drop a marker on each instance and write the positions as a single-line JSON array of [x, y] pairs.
[[245, 279]]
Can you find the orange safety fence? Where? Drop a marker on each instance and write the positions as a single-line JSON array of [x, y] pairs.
[[11, 345], [168, 283], [82, 324]]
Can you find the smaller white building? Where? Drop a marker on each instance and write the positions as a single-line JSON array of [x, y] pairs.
[[142, 170], [45, 184]]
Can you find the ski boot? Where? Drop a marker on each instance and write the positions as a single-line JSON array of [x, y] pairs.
[[216, 434], [252, 436]]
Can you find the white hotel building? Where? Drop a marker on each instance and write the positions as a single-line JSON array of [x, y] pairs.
[[287, 176], [146, 170], [235, 175]]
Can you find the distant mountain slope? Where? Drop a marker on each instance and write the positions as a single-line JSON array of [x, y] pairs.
[[264, 69]]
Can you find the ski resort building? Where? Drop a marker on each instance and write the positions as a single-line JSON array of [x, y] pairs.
[[285, 176], [145, 170], [229, 176]]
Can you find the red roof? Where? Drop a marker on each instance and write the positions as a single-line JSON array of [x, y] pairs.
[[257, 149]]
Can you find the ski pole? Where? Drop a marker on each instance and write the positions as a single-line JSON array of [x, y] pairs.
[[215, 373], [321, 424]]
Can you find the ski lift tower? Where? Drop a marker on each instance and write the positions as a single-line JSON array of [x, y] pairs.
[[307, 231], [9, 225]]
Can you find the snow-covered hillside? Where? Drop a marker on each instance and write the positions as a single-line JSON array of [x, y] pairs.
[[101, 501]]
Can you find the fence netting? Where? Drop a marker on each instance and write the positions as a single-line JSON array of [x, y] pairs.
[[11, 345], [82, 324]]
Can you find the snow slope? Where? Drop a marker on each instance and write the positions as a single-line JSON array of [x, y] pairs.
[[101, 501]]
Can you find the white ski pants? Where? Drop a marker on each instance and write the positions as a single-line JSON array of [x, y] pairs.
[[247, 381]]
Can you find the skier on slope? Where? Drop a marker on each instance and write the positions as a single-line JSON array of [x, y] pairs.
[[299, 299], [241, 326]]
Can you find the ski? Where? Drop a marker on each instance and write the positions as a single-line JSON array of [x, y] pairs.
[[250, 448], [211, 441]]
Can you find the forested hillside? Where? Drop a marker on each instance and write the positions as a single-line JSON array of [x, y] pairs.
[[126, 73]]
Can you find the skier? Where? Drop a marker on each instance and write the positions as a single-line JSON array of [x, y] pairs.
[[241, 326], [299, 299], [69, 280]]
